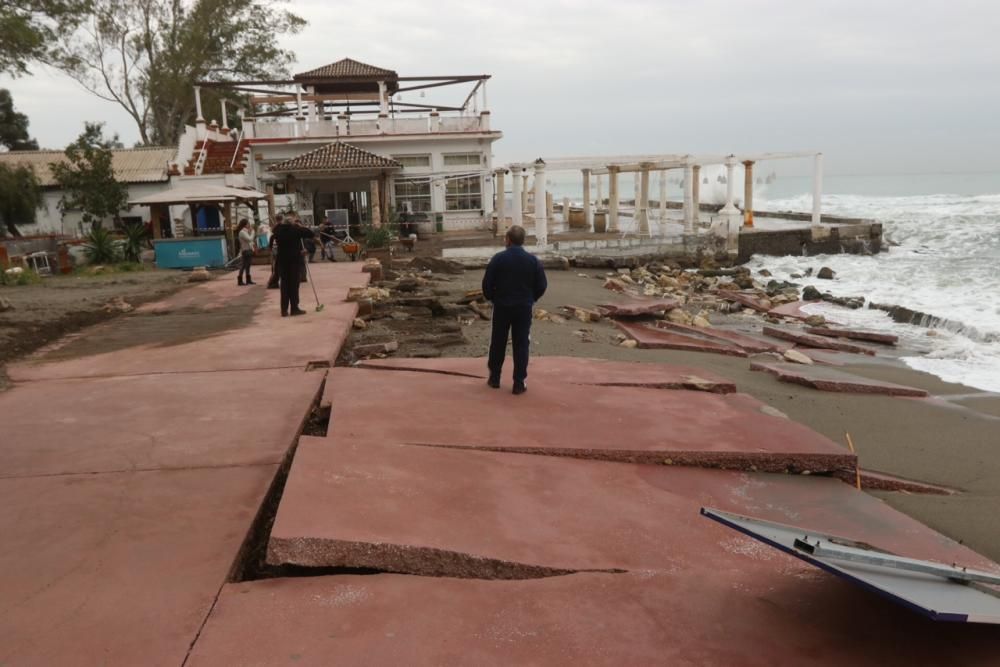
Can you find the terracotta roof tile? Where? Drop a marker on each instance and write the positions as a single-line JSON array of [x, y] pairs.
[[347, 69], [131, 165], [337, 156]]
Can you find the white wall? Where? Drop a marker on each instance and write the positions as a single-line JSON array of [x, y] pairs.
[[49, 220]]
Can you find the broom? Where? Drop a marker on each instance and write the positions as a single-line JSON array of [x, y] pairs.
[[319, 306]]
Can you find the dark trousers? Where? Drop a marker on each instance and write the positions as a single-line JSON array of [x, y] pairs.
[[517, 321], [246, 258], [290, 274]]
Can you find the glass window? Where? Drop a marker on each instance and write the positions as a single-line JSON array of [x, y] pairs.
[[413, 160], [463, 194], [415, 191], [462, 160]]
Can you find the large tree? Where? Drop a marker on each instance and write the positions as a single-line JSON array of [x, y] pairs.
[[20, 197], [28, 28], [87, 177], [146, 55], [13, 126]]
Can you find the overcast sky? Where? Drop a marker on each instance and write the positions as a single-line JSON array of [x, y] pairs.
[[879, 86]]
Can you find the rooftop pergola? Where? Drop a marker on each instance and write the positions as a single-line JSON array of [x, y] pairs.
[[612, 166]]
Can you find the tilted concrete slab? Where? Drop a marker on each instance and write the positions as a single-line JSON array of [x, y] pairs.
[[657, 339], [614, 423], [638, 307], [821, 342], [574, 370], [829, 379], [119, 568], [853, 334], [244, 331], [149, 422], [747, 300], [460, 513], [724, 336]]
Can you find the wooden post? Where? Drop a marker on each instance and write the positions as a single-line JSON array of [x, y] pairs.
[[375, 209], [227, 213], [748, 194], [154, 220]]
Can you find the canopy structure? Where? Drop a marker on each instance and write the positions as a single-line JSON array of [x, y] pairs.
[[199, 193]]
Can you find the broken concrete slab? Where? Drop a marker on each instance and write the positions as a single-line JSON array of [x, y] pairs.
[[575, 370], [821, 342], [639, 307], [752, 301], [853, 334], [118, 568], [654, 338], [679, 427], [243, 329], [148, 422], [742, 341], [829, 379]]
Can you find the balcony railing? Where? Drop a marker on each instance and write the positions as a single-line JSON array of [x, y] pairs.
[[345, 127]]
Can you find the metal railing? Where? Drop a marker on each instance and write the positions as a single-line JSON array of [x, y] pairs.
[[290, 129]]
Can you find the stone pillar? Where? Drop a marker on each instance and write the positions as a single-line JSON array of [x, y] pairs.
[[383, 100], [269, 188], [566, 210], [696, 192], [501, 205], [375, 208], [516, 197], [199, 120], [541, 222], [588, 211], [635, 195], [817, 189], [612, 198], [485, 104], [549, 207], [748, 194], [730, 207], [225, 117], [484, 121], [341, 125], [663, 194], [642, 207], [688, 199], [433, 121], [524, 191], [600, 192]]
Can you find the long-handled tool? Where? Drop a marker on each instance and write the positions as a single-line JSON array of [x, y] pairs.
[[319, 306]]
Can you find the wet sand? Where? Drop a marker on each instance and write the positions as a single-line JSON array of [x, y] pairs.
[[953, 443]]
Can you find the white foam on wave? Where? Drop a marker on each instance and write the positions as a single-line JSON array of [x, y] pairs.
[[946, 265]]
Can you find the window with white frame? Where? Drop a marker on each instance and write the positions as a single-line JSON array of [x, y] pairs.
[[463, 194], [463, 160], [416, 191], [413, 160]]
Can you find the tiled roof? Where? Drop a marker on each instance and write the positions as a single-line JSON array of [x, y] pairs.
[[347, 69], [337, 156], [131, 165]]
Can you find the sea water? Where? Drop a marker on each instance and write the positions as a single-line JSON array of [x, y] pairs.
[[943, 260]]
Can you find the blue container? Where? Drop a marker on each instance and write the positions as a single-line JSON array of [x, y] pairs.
[[209, 251]]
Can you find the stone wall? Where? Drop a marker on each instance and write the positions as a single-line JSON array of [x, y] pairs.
[[858, 239]]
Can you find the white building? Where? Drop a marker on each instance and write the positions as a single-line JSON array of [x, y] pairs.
[[349, 135], [143, 170]]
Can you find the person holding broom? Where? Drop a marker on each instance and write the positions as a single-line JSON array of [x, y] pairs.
[[289, 237]]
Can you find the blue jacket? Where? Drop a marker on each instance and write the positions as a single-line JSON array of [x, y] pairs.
[[514, 277]]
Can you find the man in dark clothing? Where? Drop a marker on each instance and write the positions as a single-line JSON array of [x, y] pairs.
[[289, 263], [514, 281]]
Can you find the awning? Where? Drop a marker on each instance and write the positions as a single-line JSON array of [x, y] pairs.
[[199, 193]]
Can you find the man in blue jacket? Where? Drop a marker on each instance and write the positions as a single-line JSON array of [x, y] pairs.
[[514, 281]]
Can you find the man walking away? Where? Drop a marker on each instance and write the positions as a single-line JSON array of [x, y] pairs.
[[289, 263], [514, 281]]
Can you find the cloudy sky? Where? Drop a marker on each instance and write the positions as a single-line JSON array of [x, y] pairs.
[[879, 86]]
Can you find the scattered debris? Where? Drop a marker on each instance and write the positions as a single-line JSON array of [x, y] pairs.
[[199, 275], [826, 273], [797, 357], [118, 305], [373, 349], [5, 305], [360, 324]]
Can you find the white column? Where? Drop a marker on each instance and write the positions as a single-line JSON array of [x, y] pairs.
[[612, 199], [197, 105], [588, 211], [485, 103], [817, 189], [524, 191], [516, 202], [600, 192], [748, 194], [501, 205], [566, 210], [298, 104], [383, 101], [730, 207], [642, 209], [541, 223], [225, 116], [663, 194], [635, 196], [696, 192], [688, 199]]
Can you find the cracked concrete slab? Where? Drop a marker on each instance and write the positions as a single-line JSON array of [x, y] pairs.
[[724, 336], [574, 370], [638, 307], [118, 568], [474, 514], [150, 422], [829, 379], [854, 334], [658, 339], [821, 342], [611, 423]]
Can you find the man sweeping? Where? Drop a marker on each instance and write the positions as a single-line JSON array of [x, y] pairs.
[[514, 281], [289, 262]]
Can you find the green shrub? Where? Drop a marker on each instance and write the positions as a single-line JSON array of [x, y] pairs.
[[135, 237], [101, 247], [26, 277]]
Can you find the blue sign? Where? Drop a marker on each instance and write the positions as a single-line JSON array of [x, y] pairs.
[[188, 253]]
